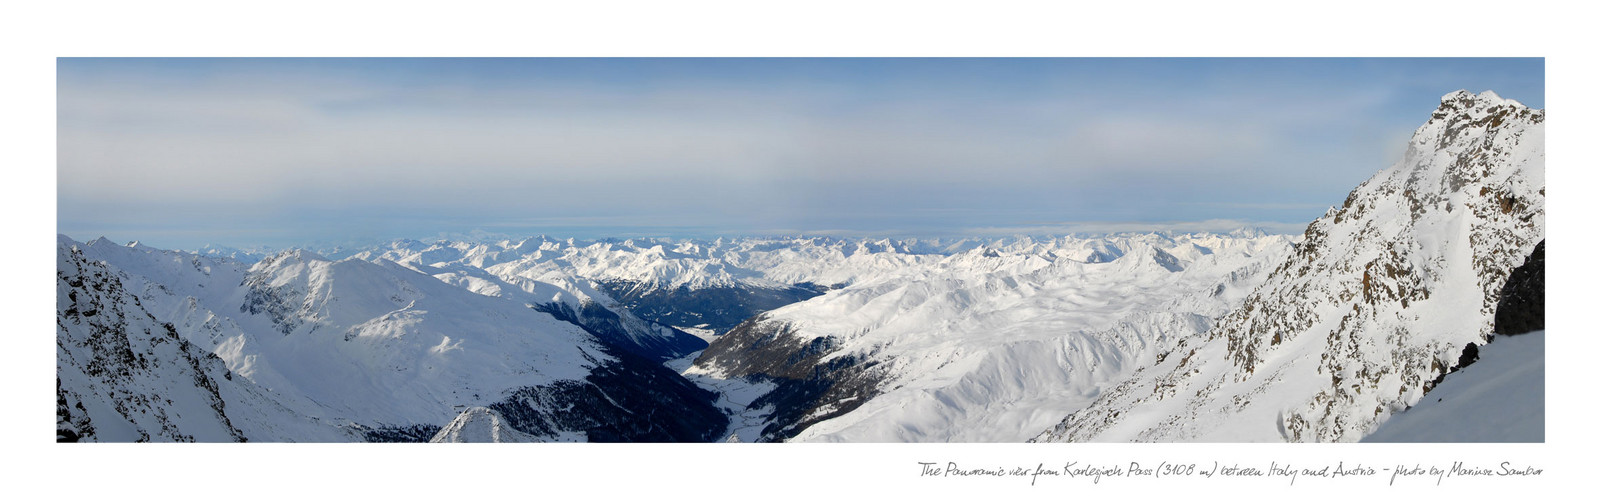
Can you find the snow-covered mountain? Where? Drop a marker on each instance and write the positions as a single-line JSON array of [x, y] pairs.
[[374, 349], [988, 344], [492, 269], [1146, 289], [707, 286], [1378, 301]]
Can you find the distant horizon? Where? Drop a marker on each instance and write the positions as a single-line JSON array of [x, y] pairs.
[[280, 153], [492, 238]]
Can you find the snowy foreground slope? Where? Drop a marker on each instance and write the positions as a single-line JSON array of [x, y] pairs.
[[1380, 299], [1500, 399], [1498, 391]]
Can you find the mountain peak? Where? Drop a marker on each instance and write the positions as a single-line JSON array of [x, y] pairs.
[[299, 255], [1465, 95], [1248, 232], [1464, 101]]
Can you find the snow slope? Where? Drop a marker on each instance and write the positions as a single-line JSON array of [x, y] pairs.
[[1499, 399], [1378, 301]]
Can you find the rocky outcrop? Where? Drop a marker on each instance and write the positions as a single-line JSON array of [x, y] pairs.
[[628, 399]]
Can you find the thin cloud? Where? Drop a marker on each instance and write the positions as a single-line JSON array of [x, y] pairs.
[[744, 146]]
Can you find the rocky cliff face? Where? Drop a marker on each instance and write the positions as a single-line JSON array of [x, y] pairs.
[[1503, 398], [1377, 302], [1522, 306], [123, 375]]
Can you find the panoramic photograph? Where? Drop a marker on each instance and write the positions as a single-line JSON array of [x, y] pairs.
[[800, 250]]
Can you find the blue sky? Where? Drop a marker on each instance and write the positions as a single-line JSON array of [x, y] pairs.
[[183, 152]]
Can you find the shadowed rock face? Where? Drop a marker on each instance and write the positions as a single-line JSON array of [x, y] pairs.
[[1471, 353], [609, 328], [1522, 308], [409, 434], [809, 388], [629, 400]]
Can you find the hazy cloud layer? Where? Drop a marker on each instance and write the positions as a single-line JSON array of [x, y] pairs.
[[279, 151]]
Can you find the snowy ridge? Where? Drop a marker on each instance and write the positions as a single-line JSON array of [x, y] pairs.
[[642, 261], [530, 272], [363, 328], [481, 425], [124, 375], [1378, 301]]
